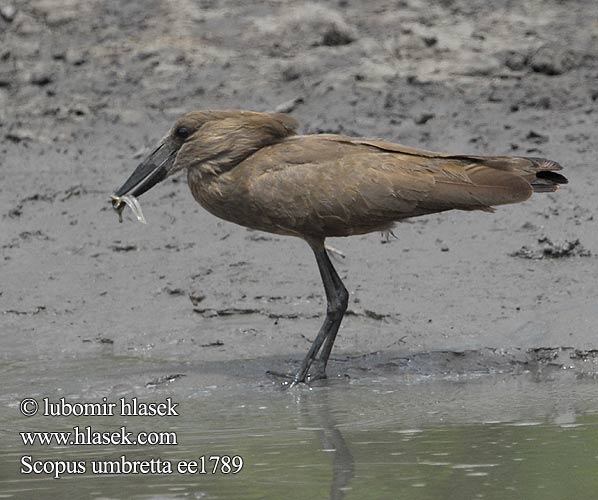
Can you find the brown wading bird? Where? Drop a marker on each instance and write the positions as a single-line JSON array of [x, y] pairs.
[[252, 169]]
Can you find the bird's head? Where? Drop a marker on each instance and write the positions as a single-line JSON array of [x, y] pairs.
[[210, 141]]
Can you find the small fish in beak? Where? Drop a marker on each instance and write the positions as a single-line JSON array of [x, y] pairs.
[[154, 169], [120, 202]]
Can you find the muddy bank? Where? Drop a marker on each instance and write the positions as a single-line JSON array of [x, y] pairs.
[[85, 87]]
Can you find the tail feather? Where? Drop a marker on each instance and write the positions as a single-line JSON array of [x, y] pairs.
[[546, 179]]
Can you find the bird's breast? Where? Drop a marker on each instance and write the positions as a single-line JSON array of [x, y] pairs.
[[210, 192], [224, 197]]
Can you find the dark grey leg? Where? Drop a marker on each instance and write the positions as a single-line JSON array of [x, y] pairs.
[[322, 360], [337, 298]]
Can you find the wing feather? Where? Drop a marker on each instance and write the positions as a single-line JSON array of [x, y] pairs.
[[339, 185]]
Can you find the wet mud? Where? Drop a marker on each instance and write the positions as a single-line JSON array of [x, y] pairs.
[[82, 100]]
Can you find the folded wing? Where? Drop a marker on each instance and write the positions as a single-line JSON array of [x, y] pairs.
[[339, 185]]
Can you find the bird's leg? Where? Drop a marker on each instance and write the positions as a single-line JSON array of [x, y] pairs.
[[337, 298], [322, 360]]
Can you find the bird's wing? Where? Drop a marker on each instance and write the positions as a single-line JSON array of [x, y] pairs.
[[467, 184], [356, 179]]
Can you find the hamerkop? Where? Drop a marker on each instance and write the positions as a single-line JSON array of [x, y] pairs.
[[253, 169]]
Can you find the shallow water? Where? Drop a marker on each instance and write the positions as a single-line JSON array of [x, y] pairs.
[[494, 436]]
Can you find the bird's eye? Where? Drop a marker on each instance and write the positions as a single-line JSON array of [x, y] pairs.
[[182, 132]]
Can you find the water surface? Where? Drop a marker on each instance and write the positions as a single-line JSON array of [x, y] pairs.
[[492, 437]]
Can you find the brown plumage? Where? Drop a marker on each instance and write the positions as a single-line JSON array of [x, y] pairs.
[[252, 169]]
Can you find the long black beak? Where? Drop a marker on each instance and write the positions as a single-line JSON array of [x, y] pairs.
[[150, 172]]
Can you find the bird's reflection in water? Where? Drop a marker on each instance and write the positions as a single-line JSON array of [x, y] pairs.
[[316, 409]]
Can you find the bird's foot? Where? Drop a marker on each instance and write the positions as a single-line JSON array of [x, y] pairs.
[[288, 379], [318, 374]]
